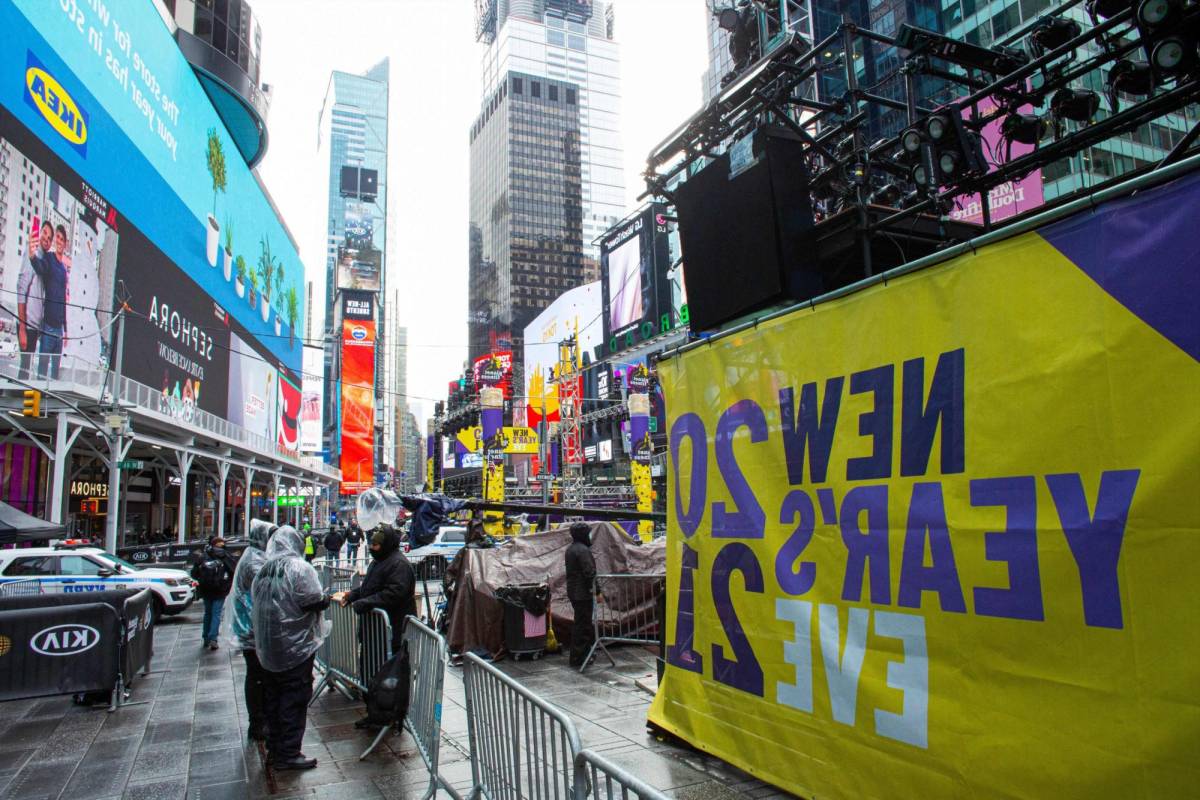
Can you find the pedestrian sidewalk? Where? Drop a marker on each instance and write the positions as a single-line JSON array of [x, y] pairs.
[[187, 736]]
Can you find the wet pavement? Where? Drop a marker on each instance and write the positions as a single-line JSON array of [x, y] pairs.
[[184, 735]]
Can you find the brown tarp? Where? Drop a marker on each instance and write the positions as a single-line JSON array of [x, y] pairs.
[[477, 617]]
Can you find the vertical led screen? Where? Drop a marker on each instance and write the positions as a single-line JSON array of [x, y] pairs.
[[358, 405], [634, 260], [313, 385]]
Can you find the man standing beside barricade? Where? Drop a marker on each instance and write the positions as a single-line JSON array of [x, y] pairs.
[[286, 605], [252, 560], [333, 545], [581, 583], [354, 538], [390, 584]]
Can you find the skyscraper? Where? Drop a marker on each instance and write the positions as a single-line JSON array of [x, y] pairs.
[[546, 160], [353, 140]]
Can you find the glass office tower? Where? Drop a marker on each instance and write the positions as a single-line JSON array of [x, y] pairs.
[[353, 140], [526, 211]]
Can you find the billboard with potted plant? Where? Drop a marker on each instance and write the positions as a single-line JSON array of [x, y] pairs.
[[110, 105]]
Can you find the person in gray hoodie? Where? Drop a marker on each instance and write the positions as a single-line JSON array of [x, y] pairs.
[[289, 627], [252, 560]]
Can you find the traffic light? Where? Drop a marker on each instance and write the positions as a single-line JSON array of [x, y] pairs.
[[32, 405]]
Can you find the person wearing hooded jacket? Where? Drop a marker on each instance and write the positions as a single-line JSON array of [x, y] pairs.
[[287, 602], [213, 571], [389, 584], [581, 583], [252, 560]]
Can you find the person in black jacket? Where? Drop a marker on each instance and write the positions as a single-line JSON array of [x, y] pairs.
[[581, 583], [333, 545], [213, 572], [353, 540], [390, 584]]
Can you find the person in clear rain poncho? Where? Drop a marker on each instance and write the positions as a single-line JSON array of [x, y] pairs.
[[286, 606], [252, 560]]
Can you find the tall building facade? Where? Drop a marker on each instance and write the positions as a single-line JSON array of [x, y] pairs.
[[352, 145], [547, 168]]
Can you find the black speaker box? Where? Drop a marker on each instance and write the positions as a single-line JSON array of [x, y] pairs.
[[746, 237]]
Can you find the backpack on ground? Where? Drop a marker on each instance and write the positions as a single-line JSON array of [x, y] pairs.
[[387, 693]]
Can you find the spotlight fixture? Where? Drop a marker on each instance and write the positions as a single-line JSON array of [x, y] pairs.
[[1153, 13], [728, 18], [997, 60], [1074, 104], [887, 195], [953, 150], [1051, 33], [1131, 77], [1025, 128], [1104, 9]]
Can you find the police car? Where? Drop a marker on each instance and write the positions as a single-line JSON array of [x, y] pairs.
[[430, 560], [73, 568]]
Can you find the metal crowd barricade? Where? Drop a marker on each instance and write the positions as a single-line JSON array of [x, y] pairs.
[[22, 587], [357, 645], [427, 663], [627, 614], [604, 780], [521, 745]]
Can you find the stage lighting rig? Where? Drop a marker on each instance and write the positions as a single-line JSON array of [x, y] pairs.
[[996, 60], [941, 150], [1074, 104], [1026, 128], [1050, 33], [1132, 77]]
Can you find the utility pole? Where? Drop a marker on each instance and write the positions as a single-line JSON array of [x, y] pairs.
[[116, 424]]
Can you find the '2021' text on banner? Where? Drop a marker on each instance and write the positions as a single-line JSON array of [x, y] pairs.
[[939, 538]]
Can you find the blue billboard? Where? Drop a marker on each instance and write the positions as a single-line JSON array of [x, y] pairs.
[[128, 164]]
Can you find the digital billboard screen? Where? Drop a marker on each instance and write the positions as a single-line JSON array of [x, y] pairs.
[[358, 406], [634, 260], [157, 206], [313, 388], [625, 285]]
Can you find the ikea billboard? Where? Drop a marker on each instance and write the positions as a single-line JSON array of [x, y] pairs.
[[120, 183]]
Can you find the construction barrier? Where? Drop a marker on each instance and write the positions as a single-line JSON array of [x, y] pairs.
[[604, 780], [62, 643], [521, 745], [628, 612]]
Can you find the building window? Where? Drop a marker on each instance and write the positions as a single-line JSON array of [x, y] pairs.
[[576, 42], [517, 86], [557, 38], [535, 88], [553, 94], [570, 97]]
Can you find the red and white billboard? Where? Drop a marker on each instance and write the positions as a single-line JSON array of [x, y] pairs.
[[358, 405]]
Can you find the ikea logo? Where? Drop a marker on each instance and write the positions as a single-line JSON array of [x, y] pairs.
[[45, 94]]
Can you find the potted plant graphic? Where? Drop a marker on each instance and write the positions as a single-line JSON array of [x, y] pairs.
[[293, 311], [280, 296], [240, 283], [228, 247], [253, 296], [266, 272], [215, 156]]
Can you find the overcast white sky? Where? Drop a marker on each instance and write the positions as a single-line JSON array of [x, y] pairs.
[[435, 94]]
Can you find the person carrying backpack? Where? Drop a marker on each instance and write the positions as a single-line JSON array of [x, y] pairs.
[[353, 539], [213, 572], [333, 545]]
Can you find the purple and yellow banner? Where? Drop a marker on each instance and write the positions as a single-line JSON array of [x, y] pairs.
[[935, 539]]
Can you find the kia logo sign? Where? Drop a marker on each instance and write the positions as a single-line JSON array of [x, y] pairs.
[[140, 555], [65, 640], [359, 333]]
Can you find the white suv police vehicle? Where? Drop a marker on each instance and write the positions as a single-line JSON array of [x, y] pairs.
[[91, 569]]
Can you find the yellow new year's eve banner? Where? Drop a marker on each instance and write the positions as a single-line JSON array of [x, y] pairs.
[[939, 538]]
